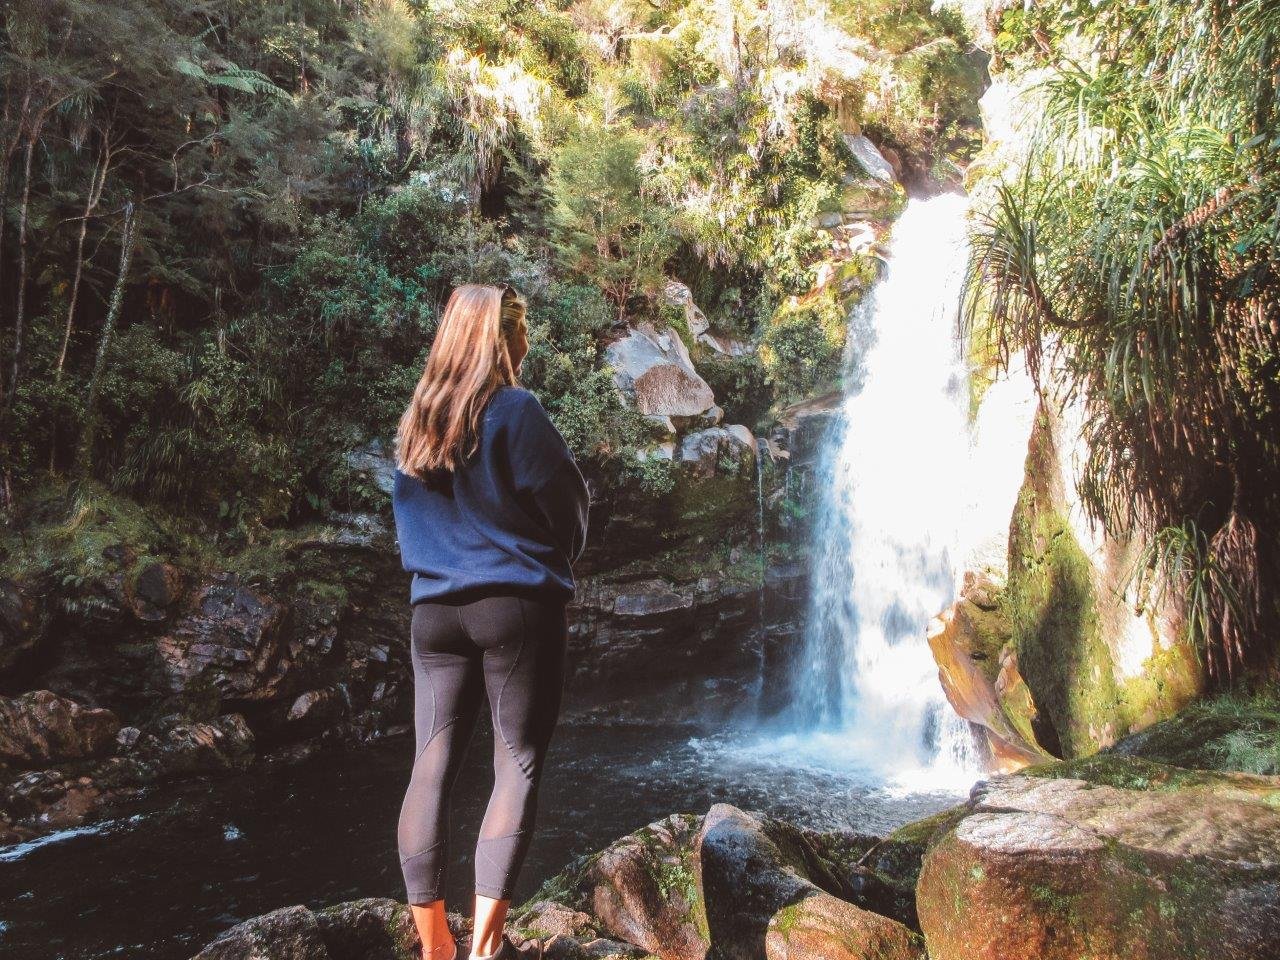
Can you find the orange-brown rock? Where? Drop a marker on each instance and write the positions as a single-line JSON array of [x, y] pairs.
[[953, 638], [1174, 865]]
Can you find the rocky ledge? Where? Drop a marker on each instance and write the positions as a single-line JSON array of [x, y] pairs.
[[1112, 858]]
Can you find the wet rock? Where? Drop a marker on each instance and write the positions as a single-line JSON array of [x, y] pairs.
[[884, 879], [234, 642], [156, 591], [290, 933], [726, 450], [74, 791], [318, 709], [654, 369], [643, 889], [761, 903], [1176, 864], [41, 728], [179, 747], [958, 640], [370, 929], [652, 601], [39, 801], [642, 636]]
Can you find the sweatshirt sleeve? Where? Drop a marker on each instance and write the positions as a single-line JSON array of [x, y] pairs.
[[546, 471]]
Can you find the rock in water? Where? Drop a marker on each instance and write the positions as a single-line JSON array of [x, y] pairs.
[[1153, 863], [290, 933], [40, 728]]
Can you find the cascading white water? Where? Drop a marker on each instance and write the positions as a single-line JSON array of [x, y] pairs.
[[867, 692]]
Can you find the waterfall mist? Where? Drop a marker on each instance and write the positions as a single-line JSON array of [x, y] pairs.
[[865, 689]]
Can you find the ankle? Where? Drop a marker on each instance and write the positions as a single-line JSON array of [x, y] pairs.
[[493, 951], [441, 951]]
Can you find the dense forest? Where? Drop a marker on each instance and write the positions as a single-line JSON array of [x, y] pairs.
[[229, 226]]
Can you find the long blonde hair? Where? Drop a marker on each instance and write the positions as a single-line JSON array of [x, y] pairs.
[[469, 360]]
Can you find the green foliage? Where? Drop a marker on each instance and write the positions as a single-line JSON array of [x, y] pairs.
[[1137, 247], [605, 226], [311, 178], [801, 349]]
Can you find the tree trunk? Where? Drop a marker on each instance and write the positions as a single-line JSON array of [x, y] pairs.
[[84, 454], [91, 201], [19, 314], [10, 148]]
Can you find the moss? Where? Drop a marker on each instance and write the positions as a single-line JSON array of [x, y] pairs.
[[1232, 731], [784, 920], [1125, 773], [1059, 621], [567, 887], [921, 832], [897, 858]]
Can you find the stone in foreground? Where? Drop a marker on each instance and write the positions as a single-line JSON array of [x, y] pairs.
[[762, 905], [371, 929], [1171, 866]]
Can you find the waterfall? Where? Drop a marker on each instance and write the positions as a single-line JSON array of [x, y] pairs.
[[761, 547], [866, 690]]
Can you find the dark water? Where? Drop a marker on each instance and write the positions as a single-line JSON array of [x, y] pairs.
[[192, 859]]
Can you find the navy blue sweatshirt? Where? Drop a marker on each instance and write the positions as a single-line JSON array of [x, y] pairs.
[[511, 517]]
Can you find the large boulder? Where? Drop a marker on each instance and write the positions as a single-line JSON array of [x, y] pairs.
[[761, 901], [653, 368], [729, 450], [981, 679], [40, 728], [677, 294], [730, 884], [37, 801], [234, 641], [177, 747], [290, 933], [643, 888], [370, 929], [870, 158], [1145, 862]]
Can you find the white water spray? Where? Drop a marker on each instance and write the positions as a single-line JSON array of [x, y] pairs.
[[867, 692]]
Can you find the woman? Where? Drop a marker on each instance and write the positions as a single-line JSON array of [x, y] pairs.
[[490, 512]]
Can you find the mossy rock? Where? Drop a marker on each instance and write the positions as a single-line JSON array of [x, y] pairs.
[[897, 858], [1062, 617], [1109, 858], [1232, 731]]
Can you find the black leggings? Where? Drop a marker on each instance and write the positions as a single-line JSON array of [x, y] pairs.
[[514, 648]]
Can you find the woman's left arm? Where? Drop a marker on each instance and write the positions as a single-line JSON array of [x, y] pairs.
[[553, 479]]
